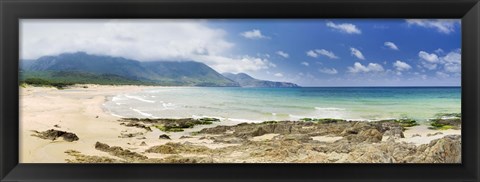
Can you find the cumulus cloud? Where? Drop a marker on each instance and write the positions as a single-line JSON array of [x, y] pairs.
[[237, 64], [370, 68], [278, 75], [330, 71], [143, 40], [401, 66], [445, 26], [357, 53], [305, 63], [432, 58], [391, 45], [253, 34], [451, 62], [344, 27], [442, 74], [283, 54], [312, 53], [317, 52]]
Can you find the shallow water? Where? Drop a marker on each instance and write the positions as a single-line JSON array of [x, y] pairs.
[[259, 104]]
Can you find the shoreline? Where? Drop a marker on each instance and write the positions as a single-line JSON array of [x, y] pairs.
[[82, 113]]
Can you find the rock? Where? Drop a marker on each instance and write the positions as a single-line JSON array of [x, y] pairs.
[[176, 148], [369, 135], [181, 159], [396, 133], [437, 133], [120, 152], [137, 125], [446, 123], [185, 136], [444, 150], [143, 144], [164, 136], [54, 134], [416, 135], [80, 158], [171, 125], [130, 135], [56, 126]]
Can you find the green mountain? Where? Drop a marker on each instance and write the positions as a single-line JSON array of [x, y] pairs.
[[247, 81], [81, 67]]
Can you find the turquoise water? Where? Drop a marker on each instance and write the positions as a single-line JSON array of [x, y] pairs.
[[259, 104]]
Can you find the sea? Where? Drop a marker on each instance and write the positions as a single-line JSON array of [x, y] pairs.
[[264, 104]]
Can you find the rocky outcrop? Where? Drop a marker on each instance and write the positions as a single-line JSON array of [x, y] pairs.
[[444, 150], [292, 142], [447, 121], [120, 152], [176, 148], [137, 125], [163, 136], [81, 158], [53, 134], [167, 125]]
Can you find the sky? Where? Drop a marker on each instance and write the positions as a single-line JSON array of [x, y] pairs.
[[313, 52]]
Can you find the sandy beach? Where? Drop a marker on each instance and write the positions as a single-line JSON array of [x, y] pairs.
[[79, 110]]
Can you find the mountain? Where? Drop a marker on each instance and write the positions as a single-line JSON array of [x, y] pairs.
[[80, 65], [247, 81]]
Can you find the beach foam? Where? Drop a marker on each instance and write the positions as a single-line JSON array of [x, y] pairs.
[[139, 98], [142, 113]]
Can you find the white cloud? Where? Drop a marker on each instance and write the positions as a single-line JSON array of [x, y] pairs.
[[429, 66], [401, 66], [237, 65], [344, 27], [439, 51], [452, 68], [391, 45], [330, 71], [315, 53], [451, 62], [278, 75], [283, 54], [312, 53], [442, 74], [445, 26], [305, 63], [452, 57], [432, 58], [371, 67], [253, 34], [143, 40], [357, 53], [324, 52]]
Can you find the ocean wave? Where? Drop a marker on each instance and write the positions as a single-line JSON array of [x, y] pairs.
[[142, 113], [245, 120], [116, 115], [168, 105], [117, 98], [299, 117], [139, 99], [329, 109]]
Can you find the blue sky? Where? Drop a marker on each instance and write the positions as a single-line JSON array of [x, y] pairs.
[[324, 52]]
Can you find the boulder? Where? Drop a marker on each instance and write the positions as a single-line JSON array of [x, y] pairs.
[[164, 136], [53, 134]]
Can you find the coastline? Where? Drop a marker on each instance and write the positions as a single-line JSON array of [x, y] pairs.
[[79, 110]]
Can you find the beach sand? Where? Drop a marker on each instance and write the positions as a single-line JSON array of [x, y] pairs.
[[79, 110]]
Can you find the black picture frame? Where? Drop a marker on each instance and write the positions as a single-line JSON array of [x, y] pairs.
[[13, 10]]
